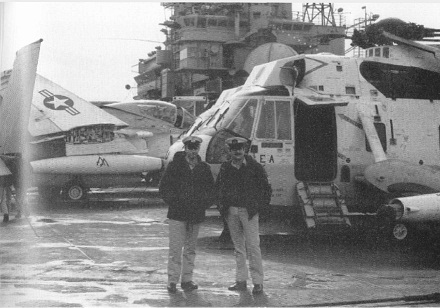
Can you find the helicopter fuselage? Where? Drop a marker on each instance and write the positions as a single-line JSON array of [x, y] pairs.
[[312, 127]]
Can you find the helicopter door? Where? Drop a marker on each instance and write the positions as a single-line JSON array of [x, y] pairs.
[[315, 142], [273, 146]]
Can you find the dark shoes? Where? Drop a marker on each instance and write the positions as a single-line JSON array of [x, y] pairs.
[[5, 217], [189, 286], [258, 289], [238, 286], [241, 286], [186, 286], [172, 287]]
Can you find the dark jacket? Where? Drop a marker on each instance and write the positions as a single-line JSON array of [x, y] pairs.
[[247, 187], [188, 193]]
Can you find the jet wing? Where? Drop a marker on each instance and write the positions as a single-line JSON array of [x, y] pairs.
[[14, 110], [141, 115], [55, 109], [150, 115]]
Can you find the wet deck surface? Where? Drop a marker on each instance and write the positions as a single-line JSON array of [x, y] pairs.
[[112, 252]]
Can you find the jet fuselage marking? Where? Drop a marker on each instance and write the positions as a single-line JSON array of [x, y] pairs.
[[102, 162], [58, 102]]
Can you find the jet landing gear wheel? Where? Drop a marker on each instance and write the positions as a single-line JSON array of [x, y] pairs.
[[74, 191], [392, 230], [403, 236], [400, 232]]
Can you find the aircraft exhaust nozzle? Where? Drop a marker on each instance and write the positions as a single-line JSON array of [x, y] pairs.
[[417, 208]]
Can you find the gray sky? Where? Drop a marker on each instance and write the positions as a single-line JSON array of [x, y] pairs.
[[81, 49], [90, 48]]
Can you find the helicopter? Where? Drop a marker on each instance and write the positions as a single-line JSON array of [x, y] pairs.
[[342, 139]]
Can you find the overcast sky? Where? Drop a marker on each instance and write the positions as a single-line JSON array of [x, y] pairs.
[[92, 48]]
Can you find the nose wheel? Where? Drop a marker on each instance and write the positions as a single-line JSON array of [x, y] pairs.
[[400, 232], [74, 191]]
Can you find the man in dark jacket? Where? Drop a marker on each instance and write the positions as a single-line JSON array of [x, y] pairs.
[[187, 187], [243, 191]]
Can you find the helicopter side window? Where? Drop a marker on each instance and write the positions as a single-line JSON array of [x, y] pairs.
[[266, 125], [283, 120], [275, 121], [377, 52], [244, 120], [398, 81], [201, 22]]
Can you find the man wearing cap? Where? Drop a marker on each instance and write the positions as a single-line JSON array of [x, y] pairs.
[[187, 187], [242, 190]]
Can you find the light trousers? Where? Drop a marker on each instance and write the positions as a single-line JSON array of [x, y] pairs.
[[5, 199], [246, 238], [182, 250]]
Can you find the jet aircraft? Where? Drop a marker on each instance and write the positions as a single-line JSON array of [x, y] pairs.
[[342, 139], [73, 145], [163, 121], [159, 123]]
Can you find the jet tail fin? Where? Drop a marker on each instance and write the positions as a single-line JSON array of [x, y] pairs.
[[14, 111]]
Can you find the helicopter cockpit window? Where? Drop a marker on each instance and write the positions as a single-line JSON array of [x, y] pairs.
[[266, 125], [275, 121], [237, 117], [283, 124], [243, 122]]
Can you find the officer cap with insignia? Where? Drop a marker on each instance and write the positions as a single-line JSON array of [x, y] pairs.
[[192, 140], [236, 142]]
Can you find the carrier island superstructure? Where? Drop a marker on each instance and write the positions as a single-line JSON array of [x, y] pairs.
[[210, 47]]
